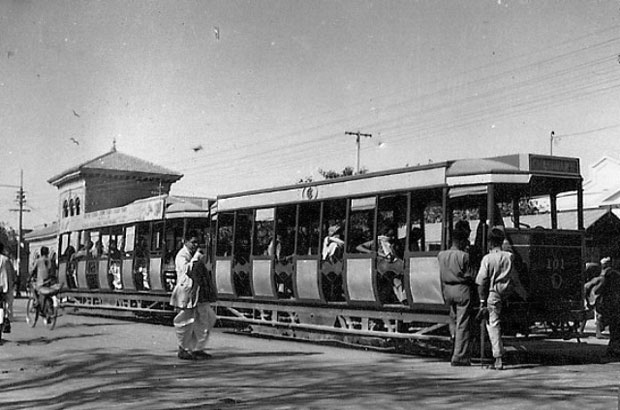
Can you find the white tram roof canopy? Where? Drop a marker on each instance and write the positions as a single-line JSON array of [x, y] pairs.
[[465, 173]]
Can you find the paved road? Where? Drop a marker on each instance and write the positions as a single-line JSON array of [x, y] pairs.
[[98, 363]]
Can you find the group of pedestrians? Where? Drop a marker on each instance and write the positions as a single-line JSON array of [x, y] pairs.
[[495, 280]]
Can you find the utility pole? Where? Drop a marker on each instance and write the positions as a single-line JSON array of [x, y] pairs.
[[357, 142], [21, 200]]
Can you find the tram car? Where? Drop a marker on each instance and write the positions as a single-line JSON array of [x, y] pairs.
[[312, 260], [120, 261]]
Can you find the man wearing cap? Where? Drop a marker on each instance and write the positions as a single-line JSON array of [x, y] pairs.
[[496, 279]]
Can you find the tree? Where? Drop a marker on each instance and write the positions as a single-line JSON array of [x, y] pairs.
[[331, 174]]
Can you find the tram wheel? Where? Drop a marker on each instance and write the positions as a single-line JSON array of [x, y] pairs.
[[32, 313]]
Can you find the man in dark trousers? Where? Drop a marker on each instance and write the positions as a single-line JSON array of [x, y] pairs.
[[458, 286]]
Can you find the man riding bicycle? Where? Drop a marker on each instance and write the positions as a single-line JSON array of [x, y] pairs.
[[41, 273]]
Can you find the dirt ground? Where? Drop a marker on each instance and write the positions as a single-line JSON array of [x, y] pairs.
[[100, 363]]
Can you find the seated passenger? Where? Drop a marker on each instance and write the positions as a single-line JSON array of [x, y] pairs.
[[387, 252], [414, 240], [333, 244], [84, 252], [275, 247], [114, 252], [97, 249], [69, 251]]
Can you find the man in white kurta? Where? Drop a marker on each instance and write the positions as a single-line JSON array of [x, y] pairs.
[[195, 319]]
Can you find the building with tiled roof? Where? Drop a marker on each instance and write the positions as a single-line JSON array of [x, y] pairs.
[[110, 180]]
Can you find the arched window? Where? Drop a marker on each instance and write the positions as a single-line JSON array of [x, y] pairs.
[[71, 207], [77, 206], [65, 209]]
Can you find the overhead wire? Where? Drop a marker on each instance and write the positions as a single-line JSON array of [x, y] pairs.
[[552, 98], [494, 65], [314, 141]]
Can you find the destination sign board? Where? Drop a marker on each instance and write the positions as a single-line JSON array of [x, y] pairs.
[[556, 165], [135, 212]]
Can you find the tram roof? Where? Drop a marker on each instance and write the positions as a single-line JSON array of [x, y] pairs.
[[510, 169]]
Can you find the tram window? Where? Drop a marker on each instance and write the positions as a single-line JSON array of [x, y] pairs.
[[200, 227], [308, 232], [130, 236], [141, 249], [105, 242], [67, 250], [425, 223], [117, 243], [225, 221], [243, 236], [85, 250], [95, 238], [285, 232], [141, 256], [75, 240], [174, 239], [334, 218], [392, 213], [157, 237], [263, 231], [361, 224]]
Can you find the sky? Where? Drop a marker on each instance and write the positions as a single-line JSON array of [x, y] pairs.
[[269, 88]]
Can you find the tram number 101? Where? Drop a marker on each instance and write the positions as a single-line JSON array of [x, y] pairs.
[[556, 267]]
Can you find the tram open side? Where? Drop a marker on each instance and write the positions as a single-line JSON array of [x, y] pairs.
[[124, 262], [270, 266]]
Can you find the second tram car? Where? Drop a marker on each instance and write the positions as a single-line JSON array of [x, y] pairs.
[[120, 261], [311, 258]]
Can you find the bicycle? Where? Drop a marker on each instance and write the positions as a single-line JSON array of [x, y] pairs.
[[45, 303]]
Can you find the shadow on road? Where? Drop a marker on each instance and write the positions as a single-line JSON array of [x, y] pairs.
[[268, 379]]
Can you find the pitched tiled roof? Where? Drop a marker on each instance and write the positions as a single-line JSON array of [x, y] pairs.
[[114, 161]]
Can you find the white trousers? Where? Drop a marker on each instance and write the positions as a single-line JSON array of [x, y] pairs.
[[193, 327], [494, 303]]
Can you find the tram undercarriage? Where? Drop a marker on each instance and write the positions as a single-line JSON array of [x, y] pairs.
[[125, 305], [357, 327]]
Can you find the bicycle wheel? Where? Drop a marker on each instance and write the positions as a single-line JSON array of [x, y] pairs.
[[50, 314], [32, 312]]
